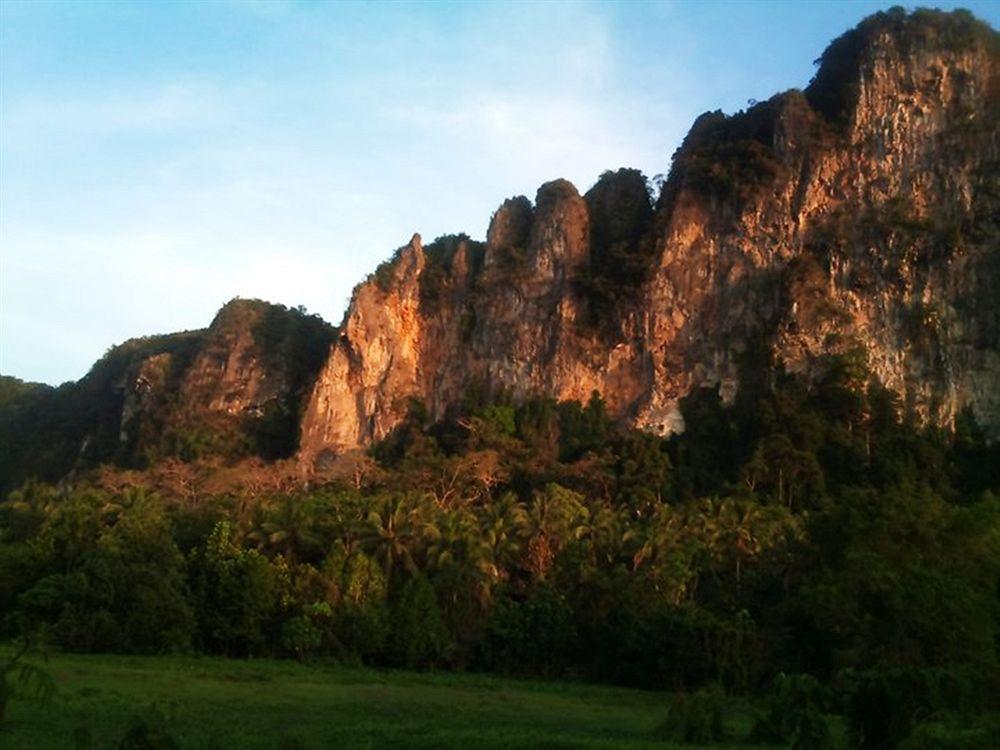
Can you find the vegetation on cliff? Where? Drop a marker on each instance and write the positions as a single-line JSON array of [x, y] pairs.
[[833, 90], [621, 251]]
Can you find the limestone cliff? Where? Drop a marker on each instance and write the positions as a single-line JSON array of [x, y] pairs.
[[232, 389], [243, 377], [860, 214]]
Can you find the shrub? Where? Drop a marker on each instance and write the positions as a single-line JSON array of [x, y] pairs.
[[694, 718], [302, 635], [954, 736], [795, 714], [361, 631], [883, 706], [149, 733]]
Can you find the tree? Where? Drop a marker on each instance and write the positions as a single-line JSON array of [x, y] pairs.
[[287, 529], [420, 637], [126, 589], [393, 532], [236, 595], [556, 516]]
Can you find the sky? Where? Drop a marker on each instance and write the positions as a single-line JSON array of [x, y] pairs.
[[160, 158]]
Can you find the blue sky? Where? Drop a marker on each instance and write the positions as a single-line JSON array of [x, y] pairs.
[[159, 158]]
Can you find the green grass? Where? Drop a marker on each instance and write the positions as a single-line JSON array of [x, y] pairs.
[[220, 703]]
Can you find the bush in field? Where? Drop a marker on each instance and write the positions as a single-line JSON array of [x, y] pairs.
[[150, 732], [533, 635], [302, 635], [694, 718], [883, 706], [795, 714]]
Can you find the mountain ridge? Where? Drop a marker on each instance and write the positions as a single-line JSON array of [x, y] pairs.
[[857, 217]]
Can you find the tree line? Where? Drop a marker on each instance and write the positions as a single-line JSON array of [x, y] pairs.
[[808, 528]]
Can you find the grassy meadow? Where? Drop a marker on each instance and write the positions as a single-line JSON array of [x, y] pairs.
[[206, 702]]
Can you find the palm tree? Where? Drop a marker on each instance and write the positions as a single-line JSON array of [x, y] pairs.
[[606, 532], [502, 526], [458, 548], [393, 532], [737, 531], [667, 548], [32, 679], [555, 517], [287, 530]]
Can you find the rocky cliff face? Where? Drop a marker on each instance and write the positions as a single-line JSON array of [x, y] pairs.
[[232, 389], [213, 395], [860, 215]]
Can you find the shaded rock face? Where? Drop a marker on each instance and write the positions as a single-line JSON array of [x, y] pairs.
[[860, 215], [232, 389], [236, 392], [212, 390]]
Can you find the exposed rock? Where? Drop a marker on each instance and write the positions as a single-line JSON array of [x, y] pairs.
[[232, 389], [861, 215]]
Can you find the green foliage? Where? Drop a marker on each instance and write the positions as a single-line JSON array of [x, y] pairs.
[[235, 592], [805, 527], [385, 271], [420, 638], [796, 714], [833, 90], [620, 256], [509, 245], [46, 432], [296, 344], [730, 159], [150, 731], [533, 635], [194, 444], [302, 635], [695, 718], [908, 580], [583, 430], [126, 589], [20, 676], [441, 276], [14, 389], [882, 707]]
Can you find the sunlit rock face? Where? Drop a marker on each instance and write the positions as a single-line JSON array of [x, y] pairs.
[[860, 215]]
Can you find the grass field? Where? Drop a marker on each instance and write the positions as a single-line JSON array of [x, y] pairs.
[[218, 703]]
